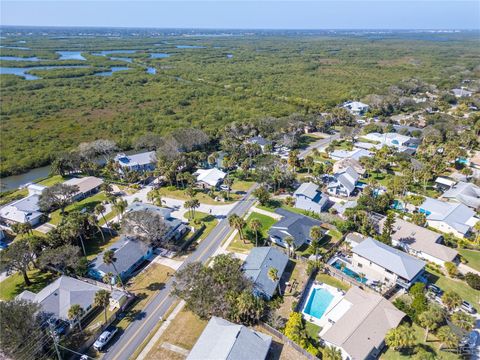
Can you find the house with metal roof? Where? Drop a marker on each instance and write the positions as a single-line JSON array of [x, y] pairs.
[[257, 265], [223, 340], [396, 140], [420, 242], [87, 186], [56, 299], [355, 154], [385, 264], [462, 92], [208, 178], [341, 207], [140, 162], [356, 107], [343, 183], [294, 225], [309, 197], [26, 210], [465, 193], [358, 323], [260, 141], [449, 217], [343, 164], [443, 183]]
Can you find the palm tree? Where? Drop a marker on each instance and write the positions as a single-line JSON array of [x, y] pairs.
[[195, 205], [75, 313], [120, 206], [273, 275], [237, 223], [400, 337], [447, 337], [93, 220], [155, 197], [100, 210], [451, 299], [229, 182], [255, 225], [316, 234], [109, 259], [331, 353], [107, 279], [190, 191], [289, 241], [107, 188], [102, 299], [430, 319]]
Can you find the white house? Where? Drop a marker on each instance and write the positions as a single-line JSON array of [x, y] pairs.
[[136, 162], [356, 107], [461, 93], [355, 154], [344, 182], [309, 197], [207, 178], [465, 193], [22, 211], [390, 139], [87, 186]]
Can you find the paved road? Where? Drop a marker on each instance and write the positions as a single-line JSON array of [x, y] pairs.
[[318, 144], [136, 333]]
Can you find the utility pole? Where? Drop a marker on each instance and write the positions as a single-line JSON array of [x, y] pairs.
[[55, 340]]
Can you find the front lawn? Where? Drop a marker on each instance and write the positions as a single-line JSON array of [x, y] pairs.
[[242, 185], [14, 284], [210, 222], [472, 257], [202, 196], [245, 245], [88, 204]]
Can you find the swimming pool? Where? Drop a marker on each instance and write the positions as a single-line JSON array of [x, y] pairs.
[[318, 302], [347, 271]]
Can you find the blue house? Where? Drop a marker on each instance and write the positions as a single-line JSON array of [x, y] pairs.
[[308, 197], [137, 162], [129, 255]]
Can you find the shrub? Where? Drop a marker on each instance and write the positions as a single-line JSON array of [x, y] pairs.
[[451, 269], [473, 280]]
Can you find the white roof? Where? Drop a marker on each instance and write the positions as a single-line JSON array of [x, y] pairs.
[[23, 210], [85, 184], [445, 181], [466, 193], [355, 105], [210, 176]]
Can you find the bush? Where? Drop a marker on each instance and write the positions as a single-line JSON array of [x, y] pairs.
[[473, 280], [451, 269]]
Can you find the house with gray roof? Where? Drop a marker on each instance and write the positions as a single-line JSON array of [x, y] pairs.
[[448, 217], [22, 211], [358, 323], [257, 265], [56, 299], [420, 242], [354, 154], [292, 224], [260, 141], [465, 193], [140, 162], [462, 92], [356, 107], [343, 206], [385, 264], [343, 183], [223, 340], [309, 197]]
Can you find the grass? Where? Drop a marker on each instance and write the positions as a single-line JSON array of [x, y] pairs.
[[242, 185], [210, 222], [472, 257], [202, 196], [312, 330], [14, 284], [330, 280], [9, 196], [52, 180], [96, 245], [88, 203], [244, 246]]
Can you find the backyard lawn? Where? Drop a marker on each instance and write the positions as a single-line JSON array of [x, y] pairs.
[[312, 329], [203, 197], [472, 257], [14, 284], [96, 245], [88, 203], [330, 280]]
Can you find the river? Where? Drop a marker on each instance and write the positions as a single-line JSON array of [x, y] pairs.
[[15, 181]]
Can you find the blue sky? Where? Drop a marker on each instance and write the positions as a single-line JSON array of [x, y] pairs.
[[269, 14]]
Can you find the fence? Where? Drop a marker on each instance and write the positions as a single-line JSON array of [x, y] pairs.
[[192, 238], [286, 340], [304, 292], [330, 270]]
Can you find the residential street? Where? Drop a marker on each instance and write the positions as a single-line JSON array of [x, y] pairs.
[[318, 144], [126, 344]]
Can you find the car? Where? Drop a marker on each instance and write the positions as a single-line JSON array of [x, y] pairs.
[[58, 326], [470, 341], [224, 187], [467, 307], [105, 337], [435, 289]]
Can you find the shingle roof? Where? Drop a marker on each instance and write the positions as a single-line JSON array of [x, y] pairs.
[[309, 190], [466, 193], [342, 207], [258, 263], [396, 261], [57, 298], [363, 327], [348, 162], [353, 154], [347, 178], [223, 340]]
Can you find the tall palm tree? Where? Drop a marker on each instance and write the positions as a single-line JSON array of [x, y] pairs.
[[100, 211], [447, 337], [106, 187], [273, 275], [331, 353], [315, 235], [75, 313], [237, 223], [255, 225], [195, 205], [229, 182], [107, 279], [289, 241], [102, 299], [109, 259], [93, 220], [120, 206]]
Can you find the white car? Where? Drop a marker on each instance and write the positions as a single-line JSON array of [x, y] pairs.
[[224, 187], [467, 307], [105, 337]]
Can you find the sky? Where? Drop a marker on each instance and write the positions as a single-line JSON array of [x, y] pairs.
[[247, 14]]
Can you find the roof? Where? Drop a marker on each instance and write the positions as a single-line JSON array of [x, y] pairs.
[[420, 239], [210, 176], [309, 190], [462, 92], [347, 178], [356, 237], [223, 340], [165, 213], [139, 159], [59, 296], [258, 263], [258, 140], [341, 207], [85, 184], [355, 105], [354, 154], [398, 262], [348, 162], [466, 193], [294, 225], [23, 210], [127, 252], [457, 215], [445, 181], [391, 139], [364, 325]]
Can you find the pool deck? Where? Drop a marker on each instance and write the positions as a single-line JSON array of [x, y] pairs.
[[337, 297]]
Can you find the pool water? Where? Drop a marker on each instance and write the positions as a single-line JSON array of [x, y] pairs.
[[349, 272], [318, 302]]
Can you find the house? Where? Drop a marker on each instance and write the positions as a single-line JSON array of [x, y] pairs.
[[443, 183], [343, 183], [260, 141], [26, 210], [308, 197], [57, 298], [356, 107], [207, 178], [35, 189], [461, 93], [257, 266], [355, 238], [117, 299], [130, 253], [465, 193], [343, 164], [141, 162], [390, 139], [420, 242], [356, 154], [87, 186], [358, 323], [341, 207], [223, 340], [294, 225], [455, 218], [382, 263], [176, 229]]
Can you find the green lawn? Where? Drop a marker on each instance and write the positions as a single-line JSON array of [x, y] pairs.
[[244, 246], [312, 329], [96, 245], [242, 185], [472, 257], [8, 196], [330, 280], [87, 203], [52, 180], [14, 284], [210, 222], [202, 196]]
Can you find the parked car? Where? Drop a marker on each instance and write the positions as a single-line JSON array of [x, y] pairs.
[[435, 289], [224, 187], [467, 307], [59, 327], [105, 337], [470, 341]]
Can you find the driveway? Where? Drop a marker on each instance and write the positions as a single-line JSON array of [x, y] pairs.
[[318, 144]]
